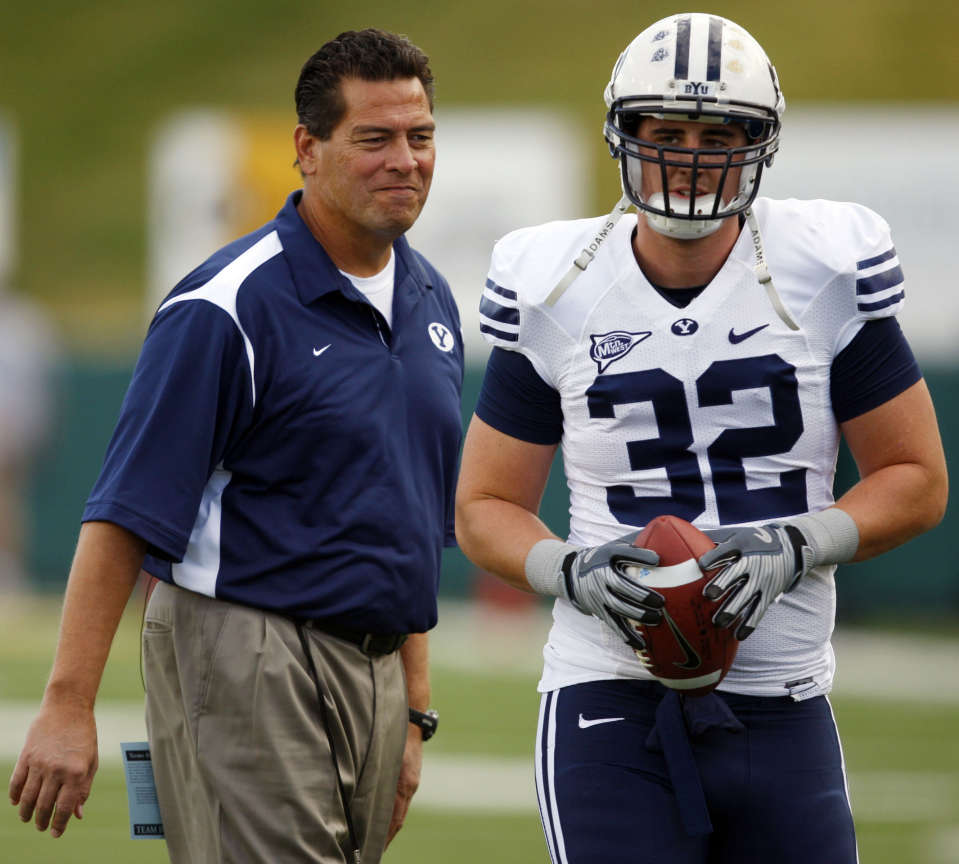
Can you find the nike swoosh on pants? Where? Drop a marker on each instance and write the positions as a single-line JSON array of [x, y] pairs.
[[585, 724]]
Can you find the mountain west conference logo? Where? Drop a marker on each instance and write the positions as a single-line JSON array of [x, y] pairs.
[[607, 348]]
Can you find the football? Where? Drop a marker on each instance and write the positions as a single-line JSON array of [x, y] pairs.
[[685, 651]]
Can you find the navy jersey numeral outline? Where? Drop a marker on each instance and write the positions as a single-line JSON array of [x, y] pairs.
[[735, 502]]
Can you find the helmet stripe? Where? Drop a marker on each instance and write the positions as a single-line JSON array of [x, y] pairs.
[[682, 48], [714, 49]]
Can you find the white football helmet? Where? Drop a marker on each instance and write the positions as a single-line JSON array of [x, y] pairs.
[[699, 67]]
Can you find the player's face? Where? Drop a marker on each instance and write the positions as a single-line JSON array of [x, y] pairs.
[[694, 135], [374, 172]]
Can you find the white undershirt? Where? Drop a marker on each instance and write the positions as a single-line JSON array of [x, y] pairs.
[[378, 288]]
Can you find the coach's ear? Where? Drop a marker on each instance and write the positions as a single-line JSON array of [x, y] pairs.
[[307, 149]]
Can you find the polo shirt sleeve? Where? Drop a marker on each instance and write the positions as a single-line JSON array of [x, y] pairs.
[[190, 397]]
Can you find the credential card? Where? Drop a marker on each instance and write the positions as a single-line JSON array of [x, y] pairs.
[[145, 819]]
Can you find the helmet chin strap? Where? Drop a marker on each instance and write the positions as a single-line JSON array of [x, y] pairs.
[[763, 274], [592, 248], [589, 252]]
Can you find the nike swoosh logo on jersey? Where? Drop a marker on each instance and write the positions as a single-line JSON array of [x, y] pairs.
[[736, 338], [763, 535], [585, 724], [318, 351]]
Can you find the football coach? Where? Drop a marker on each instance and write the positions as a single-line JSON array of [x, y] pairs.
[[284, 465]]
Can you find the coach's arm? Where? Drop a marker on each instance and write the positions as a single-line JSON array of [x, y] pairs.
[[59, 757], [904, 485], [415, 657]]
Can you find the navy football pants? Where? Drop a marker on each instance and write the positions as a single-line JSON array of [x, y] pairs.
[[775, 790]]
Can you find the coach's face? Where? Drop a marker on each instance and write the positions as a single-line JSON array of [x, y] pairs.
[[373, 174]]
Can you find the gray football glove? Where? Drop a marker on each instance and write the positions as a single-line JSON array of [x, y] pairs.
[[760, 563], [595, 582]]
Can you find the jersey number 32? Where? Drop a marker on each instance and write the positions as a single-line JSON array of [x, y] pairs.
[[735, 502]]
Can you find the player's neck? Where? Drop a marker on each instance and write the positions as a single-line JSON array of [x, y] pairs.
[[672, 263]]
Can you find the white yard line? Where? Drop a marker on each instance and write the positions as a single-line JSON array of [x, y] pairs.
[[116, 722], [477, 782], [869, 663]]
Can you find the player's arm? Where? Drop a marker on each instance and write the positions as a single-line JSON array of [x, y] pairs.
[[904, 484], [886, 415], [501, 485], [59, 757]]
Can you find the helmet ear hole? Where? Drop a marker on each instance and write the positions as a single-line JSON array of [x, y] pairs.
[[630, 123]]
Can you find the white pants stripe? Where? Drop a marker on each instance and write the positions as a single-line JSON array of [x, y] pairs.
[[545, 777], [845, 775]]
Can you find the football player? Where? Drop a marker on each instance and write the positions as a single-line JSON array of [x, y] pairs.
[[702, 359]]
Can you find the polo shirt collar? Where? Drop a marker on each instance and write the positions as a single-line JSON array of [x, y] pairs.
[[314, 272]]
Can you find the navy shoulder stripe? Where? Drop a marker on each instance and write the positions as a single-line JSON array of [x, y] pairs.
[[880, 282], [503, 314], [499, 312], [878, 259], [499, 289], [499, 334], [882, 304]]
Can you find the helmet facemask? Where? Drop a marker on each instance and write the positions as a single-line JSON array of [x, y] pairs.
[[697, 215]]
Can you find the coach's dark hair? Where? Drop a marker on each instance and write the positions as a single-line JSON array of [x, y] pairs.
[[370, 55]]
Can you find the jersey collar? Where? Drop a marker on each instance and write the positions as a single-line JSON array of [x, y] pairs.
[[314, 272]]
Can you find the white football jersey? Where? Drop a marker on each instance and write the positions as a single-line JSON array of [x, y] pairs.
[[716, 412]]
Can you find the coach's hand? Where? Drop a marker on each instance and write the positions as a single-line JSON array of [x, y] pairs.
[[409, 780], [759, 564], [55, 770]]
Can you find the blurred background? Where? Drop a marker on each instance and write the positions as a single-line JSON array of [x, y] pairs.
[[136, 137]]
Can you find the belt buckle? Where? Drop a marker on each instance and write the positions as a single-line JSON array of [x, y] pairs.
[[365, 645]]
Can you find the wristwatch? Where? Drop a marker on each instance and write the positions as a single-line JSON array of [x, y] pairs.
[[426, 720]]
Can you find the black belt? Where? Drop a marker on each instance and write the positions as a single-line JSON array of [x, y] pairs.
[[371, 644]]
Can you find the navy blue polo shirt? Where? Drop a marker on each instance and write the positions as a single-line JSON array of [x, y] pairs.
[[282, 447]]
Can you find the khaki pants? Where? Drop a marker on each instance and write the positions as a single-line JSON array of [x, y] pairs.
[[242, 762]]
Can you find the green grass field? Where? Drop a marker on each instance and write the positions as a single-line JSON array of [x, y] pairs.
[[904, 769]]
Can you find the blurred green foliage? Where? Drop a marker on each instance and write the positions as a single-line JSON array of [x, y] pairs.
[[87, 83]]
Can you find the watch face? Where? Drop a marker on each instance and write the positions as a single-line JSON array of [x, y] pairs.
[[427, 721]]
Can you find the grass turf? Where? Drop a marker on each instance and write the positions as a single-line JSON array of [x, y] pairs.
[[896, 753]]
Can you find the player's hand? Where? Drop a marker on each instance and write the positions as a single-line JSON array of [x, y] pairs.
[[595, 582], [409, 780], [759, 564], [55, 770]]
